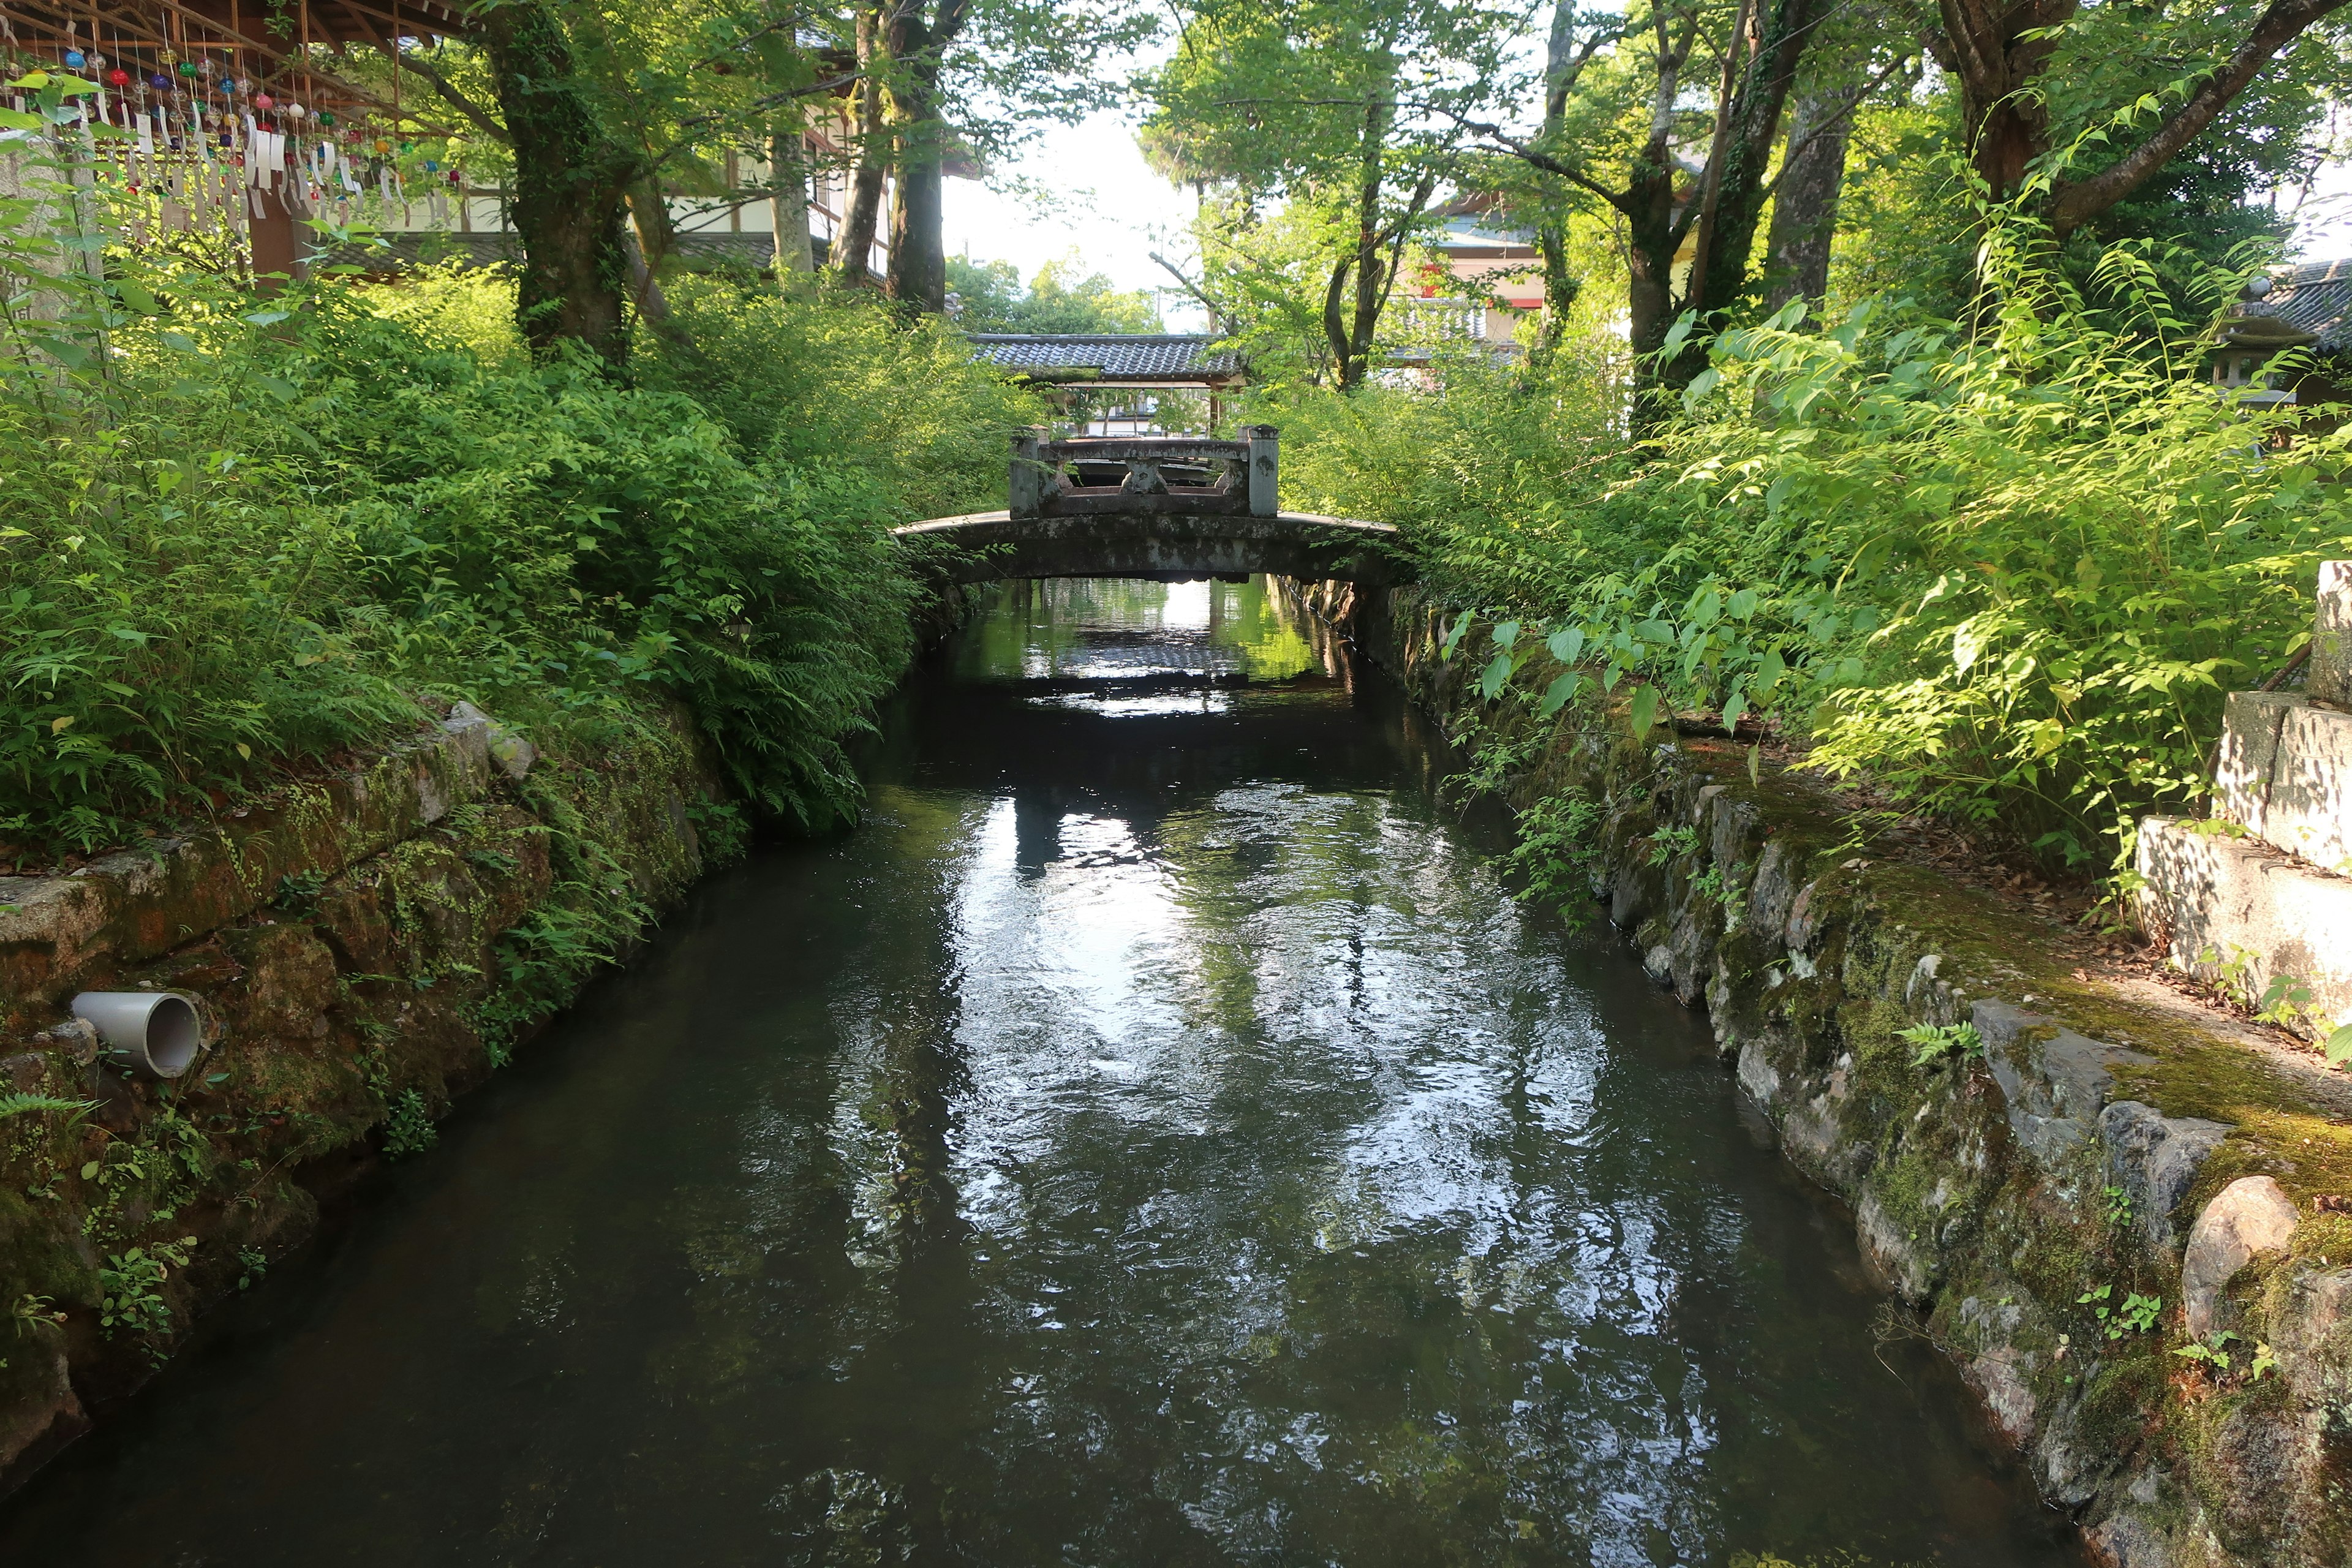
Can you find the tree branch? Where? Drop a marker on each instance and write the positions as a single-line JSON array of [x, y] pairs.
[[450, 93], [2072, 206]]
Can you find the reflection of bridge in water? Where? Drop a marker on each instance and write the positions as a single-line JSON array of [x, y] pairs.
[[1172, 508]]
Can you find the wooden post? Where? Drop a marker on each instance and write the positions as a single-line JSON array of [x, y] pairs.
[[1264, 494], [272, 241], [1025, 487]]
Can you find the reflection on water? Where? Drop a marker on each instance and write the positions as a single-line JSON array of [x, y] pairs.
[[1154, 1139]]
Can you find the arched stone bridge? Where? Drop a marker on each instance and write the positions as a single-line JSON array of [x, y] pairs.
[[1168, 507]]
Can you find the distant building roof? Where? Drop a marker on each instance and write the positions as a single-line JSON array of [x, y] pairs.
[[1116, 356], [2310, 303]]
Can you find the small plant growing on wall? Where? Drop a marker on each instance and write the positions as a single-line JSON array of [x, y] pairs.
[[409, 1129], [1558, 851], [1668, 842], [1941, 1043], [133, 1284], [2137, 1315]]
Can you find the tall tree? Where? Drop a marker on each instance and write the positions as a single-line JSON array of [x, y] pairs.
[[1805, 197], [853, 237], [917, 39], [788, 204], [1308, 102], [1574, 40], [571, 183], [1628, 159]]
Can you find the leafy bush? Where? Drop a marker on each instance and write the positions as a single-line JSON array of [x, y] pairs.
[[246, 532], [2008, 571]]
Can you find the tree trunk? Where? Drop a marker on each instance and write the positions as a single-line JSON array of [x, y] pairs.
[[1805, 206], [853, 242], [651, 242], [917, 275], [569, 185], [789, 206], [1354, 347], [1987, 48], [1719, 272]]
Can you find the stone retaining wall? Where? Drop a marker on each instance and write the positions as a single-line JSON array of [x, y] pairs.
[[361, 950], [2103, 1144]]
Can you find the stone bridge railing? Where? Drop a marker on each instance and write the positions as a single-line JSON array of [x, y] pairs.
[[1193, 475]]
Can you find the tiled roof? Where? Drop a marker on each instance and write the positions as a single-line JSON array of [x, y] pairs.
[[2314, 297], [1156, 356]]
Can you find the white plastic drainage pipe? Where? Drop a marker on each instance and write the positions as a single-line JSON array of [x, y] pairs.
[[156, 1029]]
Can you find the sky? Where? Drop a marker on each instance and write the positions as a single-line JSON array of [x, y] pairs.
[[1115, 213]]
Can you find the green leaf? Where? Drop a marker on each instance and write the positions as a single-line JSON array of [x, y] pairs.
[[2338, 1046], [268, 318], [1496, 676], [89, 1169], [1645, 710], [1560, 693], [1566, 644]]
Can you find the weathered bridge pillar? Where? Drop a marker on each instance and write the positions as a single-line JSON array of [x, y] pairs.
[[1264, 489]]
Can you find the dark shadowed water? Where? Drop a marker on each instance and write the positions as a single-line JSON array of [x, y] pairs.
[[1154, 1139]]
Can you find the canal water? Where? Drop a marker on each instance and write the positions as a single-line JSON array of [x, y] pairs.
[[1155, 1138]]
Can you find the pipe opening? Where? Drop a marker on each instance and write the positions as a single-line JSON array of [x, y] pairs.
[[157, 1030], [173, 1036]]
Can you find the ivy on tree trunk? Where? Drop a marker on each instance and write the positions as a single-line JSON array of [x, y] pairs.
[[569, 185]]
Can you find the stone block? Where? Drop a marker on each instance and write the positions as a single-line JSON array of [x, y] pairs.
[[2237, 913], [2154, 1158], [2055, 1082], [2284, 772], [2330, 679], [2249, 1218]]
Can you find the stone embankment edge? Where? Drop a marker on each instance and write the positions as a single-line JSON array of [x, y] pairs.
[[361, 950], [2095, 1141]]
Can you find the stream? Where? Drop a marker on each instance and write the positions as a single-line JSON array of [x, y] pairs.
[[1156, 1137]]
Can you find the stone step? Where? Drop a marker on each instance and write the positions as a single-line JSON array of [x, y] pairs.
[[2238, 914], [2285, 774]]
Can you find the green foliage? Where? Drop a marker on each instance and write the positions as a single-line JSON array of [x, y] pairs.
[[1941, 1043], [14, 1105], [244, 533], [1058, 299], [132, 1286], [2137, 1315], [1667, 843], [2009, 571], [409, 1129], [2212, 1352], [1558, 851]]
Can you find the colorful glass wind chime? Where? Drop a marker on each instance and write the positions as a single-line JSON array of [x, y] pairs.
[[213, 145]]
